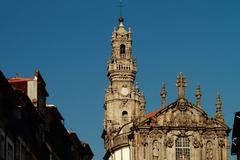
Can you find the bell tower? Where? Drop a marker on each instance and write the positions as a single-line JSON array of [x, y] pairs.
[[121, 67], [123, 101]]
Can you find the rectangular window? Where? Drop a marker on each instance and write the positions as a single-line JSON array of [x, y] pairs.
[[2, 144], [17, 149], [9, 150], [182, 148], [23, 152]]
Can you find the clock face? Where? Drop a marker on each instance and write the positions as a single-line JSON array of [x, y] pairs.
[[124, 91]]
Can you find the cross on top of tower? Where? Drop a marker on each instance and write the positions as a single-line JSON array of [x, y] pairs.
[[120, 7], [181, 84]]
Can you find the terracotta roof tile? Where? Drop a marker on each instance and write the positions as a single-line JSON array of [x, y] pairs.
[[150, 115], [18, 79]]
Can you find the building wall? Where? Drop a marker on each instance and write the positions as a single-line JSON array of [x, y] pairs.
[[121, 154], [29, 133]]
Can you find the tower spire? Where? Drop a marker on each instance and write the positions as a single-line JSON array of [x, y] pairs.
[[163, 94], [198, 96], [218, 114], [121, 72]]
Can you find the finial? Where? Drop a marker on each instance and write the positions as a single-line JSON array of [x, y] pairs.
[[163, 94], [198, 96], [218, 114], [129, 29], [181, 84], [121, 20]]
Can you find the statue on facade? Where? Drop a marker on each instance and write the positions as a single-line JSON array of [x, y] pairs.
[[155, 150], [209, 151]]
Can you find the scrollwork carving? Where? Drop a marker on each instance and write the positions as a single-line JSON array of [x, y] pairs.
[[169, 142], [182, 107], [209, 135], [144, 139], [155, 134], [197, 143], [182, 119], [221, 143]]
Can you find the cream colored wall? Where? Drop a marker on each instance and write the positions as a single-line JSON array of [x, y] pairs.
[[121, 154], [32, 90]]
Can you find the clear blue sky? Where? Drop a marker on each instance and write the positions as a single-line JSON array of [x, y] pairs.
[[69, 42]]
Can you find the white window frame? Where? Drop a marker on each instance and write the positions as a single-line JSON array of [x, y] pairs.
[[184, 147]]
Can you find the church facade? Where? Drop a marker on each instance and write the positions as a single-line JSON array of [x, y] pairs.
[[181, 130]]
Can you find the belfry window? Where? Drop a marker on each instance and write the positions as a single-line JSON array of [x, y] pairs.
[[182, 148], [122, 49], [124, 115]]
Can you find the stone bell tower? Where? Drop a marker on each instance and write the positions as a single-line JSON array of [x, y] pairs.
[[123, 101]]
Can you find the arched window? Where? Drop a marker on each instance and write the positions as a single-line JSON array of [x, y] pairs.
[[122, 49], [124, 113], [182, 148]]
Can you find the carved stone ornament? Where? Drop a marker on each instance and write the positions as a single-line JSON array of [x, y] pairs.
[[221, 134], [155, 134], [144, 138], [221, 143], [209, 135], [197, 143], [183, 132], [144, 132], [209, 151], [169, 142], [134, 143], [208, 122], [182, 107], [182, 119]]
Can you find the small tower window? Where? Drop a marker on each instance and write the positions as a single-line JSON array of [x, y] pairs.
[[124, 115], [122, 49]]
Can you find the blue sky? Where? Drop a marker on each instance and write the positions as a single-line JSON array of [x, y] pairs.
[[69, 42]]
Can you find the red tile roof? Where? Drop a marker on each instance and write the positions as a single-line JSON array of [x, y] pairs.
[[150, 115], [18, 79], [20, 83]]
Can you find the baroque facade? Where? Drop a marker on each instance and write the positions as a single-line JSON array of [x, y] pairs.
[[180, 130]]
